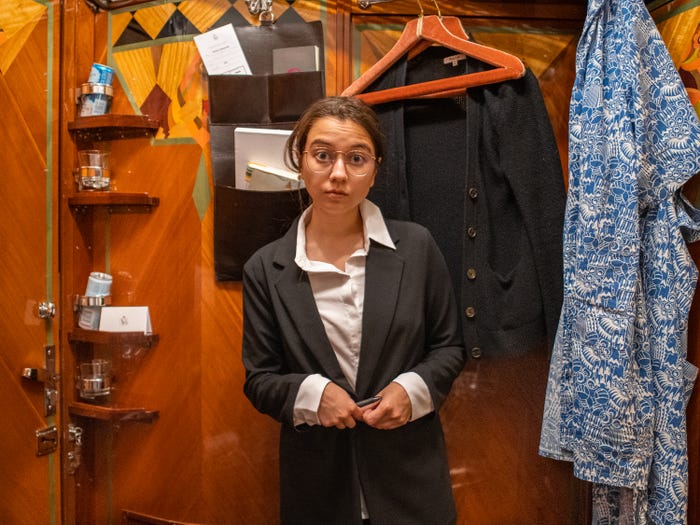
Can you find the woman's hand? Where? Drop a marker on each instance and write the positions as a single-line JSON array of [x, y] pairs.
[[393, 411], [337, 409]]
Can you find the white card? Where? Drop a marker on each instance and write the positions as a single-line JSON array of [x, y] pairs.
[[221, 52], [125, 319]]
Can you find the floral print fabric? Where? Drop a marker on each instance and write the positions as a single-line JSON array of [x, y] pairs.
[[619, 379]]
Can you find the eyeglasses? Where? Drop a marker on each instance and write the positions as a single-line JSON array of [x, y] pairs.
[[357, 163]]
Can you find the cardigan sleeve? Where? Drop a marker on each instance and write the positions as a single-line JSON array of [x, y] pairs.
[[529, 158]]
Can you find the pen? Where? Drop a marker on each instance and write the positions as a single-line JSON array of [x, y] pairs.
[[368, 401]]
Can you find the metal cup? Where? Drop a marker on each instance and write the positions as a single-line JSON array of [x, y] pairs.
[[99, 285], [95, 378], [93, 172]]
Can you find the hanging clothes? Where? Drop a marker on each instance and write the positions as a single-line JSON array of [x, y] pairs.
[[483, 173], [619, 380]]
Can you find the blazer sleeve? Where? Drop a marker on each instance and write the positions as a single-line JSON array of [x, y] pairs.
[[269, 385]]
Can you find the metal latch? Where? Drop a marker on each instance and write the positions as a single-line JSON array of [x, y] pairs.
[[75, 436], [46, 440], [46, 375]]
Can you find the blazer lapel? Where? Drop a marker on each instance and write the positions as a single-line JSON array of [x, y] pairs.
[[295, 293], [383, 276]]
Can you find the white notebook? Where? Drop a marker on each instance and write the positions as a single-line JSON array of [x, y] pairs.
[[259, 145]]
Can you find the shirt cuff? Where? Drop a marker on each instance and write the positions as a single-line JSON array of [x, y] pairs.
[[308, 398], [418, 393]]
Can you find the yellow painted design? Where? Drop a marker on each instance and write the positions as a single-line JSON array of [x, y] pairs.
[[185, 115], [120, 22], [176, 68], [204, 13], [152, 19], [174, 61], [137, 71]]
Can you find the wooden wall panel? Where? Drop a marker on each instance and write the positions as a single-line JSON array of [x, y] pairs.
[[29, 483], [210, 457]]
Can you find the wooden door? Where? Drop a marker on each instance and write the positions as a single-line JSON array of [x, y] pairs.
[[29, 481]]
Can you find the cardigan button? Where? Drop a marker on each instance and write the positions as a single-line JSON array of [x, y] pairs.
[[476, 352], [471, 274], [471, 231], [473, 192], [470, 312]]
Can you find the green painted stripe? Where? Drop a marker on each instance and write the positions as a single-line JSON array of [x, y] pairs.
[[53, 460]]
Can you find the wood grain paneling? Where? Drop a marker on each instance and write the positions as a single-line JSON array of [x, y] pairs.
[[210, 457], [29, 485]]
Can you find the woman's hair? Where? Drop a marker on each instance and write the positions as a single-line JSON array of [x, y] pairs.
[[342, 108]]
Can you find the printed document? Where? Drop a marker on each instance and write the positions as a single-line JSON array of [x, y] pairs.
[[221, 52]]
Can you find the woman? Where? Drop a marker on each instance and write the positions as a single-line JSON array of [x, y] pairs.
[[344, 307]]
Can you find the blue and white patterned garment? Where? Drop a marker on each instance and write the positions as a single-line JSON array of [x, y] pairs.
[[619, 379]]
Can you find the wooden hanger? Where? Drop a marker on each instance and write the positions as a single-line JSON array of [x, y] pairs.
[[452, 24], [418, 35]]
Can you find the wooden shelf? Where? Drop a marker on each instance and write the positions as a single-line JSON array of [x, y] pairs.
[[115, 201], [85, 131], [115, 414], [80, 335]]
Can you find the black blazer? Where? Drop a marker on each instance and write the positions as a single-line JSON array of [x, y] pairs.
[[410, 323]]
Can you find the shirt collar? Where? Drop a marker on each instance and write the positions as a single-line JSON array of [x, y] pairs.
[[373, 226]]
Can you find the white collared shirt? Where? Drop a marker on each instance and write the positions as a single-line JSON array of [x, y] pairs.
[[339, 298]]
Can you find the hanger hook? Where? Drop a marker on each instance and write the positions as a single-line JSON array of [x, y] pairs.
[[420, 6], [438, 9]]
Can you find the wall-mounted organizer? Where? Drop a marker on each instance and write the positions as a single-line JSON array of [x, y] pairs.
[[266, 100], [94, 347]]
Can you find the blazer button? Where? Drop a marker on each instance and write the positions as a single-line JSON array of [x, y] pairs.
[[471, 274], [470, 312], [473, 192], [476, 352], [471, 231]]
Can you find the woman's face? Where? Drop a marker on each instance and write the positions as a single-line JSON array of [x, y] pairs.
[[338, 191]]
